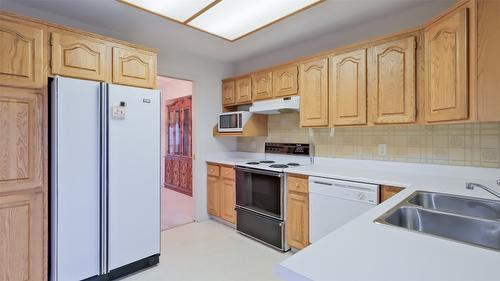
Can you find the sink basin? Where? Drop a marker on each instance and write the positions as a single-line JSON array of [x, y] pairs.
[[474, 207], [468, 220], [475, 231]]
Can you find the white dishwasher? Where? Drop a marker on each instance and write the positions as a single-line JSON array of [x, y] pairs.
[[332, 203]]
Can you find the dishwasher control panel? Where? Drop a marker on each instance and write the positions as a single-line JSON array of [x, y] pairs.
[[356, 191]]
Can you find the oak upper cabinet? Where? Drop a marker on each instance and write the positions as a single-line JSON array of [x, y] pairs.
[[348, 95], [285, 81], [228, 92], [262, 85], [78, 56], [22, 46], [297, 209], [391, 85], [243, 90], [134, 67], [22, 237], [313, 93], [447, 68]]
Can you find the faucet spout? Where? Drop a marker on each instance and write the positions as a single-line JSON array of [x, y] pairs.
[[472, 185]]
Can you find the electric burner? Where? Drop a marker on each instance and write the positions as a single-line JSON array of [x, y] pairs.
[[278, 166], [253, 163], [293, 164], [267, 161]]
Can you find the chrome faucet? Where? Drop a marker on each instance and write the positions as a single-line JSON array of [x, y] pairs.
[[471, 186]]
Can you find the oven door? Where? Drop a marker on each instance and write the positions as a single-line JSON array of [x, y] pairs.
[[260, 191]]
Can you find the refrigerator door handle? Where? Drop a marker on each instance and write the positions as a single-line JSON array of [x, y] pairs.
[[103, 101]]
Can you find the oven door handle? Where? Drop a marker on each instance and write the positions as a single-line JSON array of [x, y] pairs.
[[258, 171]]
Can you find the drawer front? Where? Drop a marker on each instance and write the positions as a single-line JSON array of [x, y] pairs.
[[227, 173], [213, 170], [297, 184]]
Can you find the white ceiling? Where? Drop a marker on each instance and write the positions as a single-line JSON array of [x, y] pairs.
[[144, 28]]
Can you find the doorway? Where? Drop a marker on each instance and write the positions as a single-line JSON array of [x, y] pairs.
[[177, 203]]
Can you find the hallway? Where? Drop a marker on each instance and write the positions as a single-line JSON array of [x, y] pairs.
[[176, 209]]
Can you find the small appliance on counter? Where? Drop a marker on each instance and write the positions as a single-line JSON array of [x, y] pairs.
[[260, 192]]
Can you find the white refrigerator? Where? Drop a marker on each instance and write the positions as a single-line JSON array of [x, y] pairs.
[[105, 179]]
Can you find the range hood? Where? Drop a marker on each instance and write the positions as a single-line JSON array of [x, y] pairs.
[[276, 106]]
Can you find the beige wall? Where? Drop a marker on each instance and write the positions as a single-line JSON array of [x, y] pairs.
[[475, 144]]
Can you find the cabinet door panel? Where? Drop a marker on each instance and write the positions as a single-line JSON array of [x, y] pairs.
[[134, 67], [243, 90], [228, 96], [285, 81], [21, 54], [228, 201], [298, 219], [21, 123], [22, 237], [348, 88], [392, 82], [213, 196], [78, 56], [262, 86], [314, 93], [446, 48]]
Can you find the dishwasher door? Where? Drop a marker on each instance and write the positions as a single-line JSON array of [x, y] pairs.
[[333, 203]]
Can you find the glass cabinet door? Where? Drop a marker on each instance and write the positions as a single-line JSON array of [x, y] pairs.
[[177, 141], [186, 134]]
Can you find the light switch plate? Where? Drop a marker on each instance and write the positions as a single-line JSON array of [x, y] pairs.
[[382, 149]]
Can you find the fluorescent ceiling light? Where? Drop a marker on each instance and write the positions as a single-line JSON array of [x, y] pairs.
[[179, 10], [228, 19], [232, 19]]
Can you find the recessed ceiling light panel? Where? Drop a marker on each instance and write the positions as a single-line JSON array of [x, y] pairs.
[[232, 19], [228, 19], [179, 10]]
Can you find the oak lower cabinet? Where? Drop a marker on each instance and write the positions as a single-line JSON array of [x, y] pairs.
[[297, 212], [134, 67], [243, 90], [79, 56], [22, 47], [387, 192], [391, 81], [447, 69], [221, 192], [262, 83], [22, 237], [285, 81], [348, 95], [313, 93]]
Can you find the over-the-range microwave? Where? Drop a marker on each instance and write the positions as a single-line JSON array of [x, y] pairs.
[[233, 121]]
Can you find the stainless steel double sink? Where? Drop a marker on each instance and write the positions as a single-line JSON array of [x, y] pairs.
[[468, 220]]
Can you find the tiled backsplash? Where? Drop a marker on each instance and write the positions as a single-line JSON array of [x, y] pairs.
[[476, 144]]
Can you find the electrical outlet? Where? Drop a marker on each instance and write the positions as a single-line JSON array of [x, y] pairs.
[[382, 149]]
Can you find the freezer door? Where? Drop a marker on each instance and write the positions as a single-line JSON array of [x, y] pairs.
[[133, 174], [75, 172]]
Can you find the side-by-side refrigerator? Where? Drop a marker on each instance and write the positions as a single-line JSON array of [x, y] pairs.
[[105, 179]]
